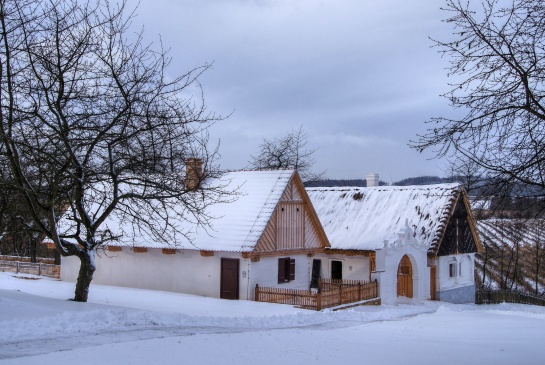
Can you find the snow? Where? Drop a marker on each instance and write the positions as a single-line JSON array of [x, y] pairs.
[[237, 222], [130, 326], [363, 218]]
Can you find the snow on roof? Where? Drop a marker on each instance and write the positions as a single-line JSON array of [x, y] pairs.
[[363, 218], [237, 224]]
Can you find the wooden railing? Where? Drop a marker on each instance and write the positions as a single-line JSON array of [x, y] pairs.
[[330, 293], [49, 270], [507, 296]]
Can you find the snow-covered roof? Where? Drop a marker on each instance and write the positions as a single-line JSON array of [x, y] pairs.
[[237, 224], [363, 218]]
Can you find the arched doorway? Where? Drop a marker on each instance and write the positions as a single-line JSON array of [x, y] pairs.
[[405, 278]]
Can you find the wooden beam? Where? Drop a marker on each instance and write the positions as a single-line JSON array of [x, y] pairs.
[[472, 223], [336, 251], [169, 251], [305, 251], [205, 253], [140, 249], [114, 248]]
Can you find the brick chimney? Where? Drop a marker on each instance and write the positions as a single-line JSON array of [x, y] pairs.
[[193, 173], [372, 180]]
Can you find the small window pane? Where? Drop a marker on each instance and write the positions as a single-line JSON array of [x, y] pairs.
[[452, 269]]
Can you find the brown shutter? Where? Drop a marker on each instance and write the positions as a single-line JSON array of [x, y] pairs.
[[292, 269], [281, 270]]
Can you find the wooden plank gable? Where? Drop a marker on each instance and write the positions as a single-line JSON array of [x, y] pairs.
[[460, 234], [294, 225]]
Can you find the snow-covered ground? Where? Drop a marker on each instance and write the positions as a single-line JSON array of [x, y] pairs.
[[38, 325]]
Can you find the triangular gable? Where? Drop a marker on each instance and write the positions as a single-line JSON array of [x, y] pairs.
[[294, 225], [459, 232]]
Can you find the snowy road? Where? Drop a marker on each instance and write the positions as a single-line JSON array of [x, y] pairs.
[[67, 327]]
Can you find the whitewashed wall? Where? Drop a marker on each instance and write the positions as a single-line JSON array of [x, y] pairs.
[[354, 267], [183, 272], [464, 277], [460, 288], [265, 273]]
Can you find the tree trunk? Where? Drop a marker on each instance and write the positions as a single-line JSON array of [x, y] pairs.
[[86, 271], [32, 249]]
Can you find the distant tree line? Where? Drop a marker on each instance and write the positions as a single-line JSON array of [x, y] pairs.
[[327, 183]]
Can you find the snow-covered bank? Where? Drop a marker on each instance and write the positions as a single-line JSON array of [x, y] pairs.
[[121, 325]]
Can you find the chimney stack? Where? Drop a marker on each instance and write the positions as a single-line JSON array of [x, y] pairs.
[[193, 173], [372, 180]]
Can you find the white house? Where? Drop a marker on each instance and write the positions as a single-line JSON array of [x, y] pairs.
[[266, 236], [417, 241]]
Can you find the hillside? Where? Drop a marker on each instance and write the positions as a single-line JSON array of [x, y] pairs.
[[514, 257]]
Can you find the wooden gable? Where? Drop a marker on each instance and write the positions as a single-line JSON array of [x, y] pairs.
[[294, 225], [460, 233]]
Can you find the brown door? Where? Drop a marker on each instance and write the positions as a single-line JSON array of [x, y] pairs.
[[433, 271], [229, 279], [405, 278]]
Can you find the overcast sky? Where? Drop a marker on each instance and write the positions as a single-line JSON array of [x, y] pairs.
[[359, 76]]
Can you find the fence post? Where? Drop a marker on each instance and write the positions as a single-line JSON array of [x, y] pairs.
[[340, 294], [39, 268], [319, 301], [17, 267], [359, 291]]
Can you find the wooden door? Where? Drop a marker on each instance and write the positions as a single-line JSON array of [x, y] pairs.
[[229, 279], [433, 282], [405, 278]]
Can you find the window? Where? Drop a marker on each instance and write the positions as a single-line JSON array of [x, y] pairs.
[[337, 270], [286, 270], [452, 269]]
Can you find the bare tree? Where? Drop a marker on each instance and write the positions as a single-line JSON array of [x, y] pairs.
[[289, 151], [534, 255], [497, 63], [92, 126], [467, 173]]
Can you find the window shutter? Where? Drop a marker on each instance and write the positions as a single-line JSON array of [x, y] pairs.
[[292, 269], [281, 270]]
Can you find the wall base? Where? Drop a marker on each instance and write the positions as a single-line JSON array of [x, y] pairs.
[[465, 294]]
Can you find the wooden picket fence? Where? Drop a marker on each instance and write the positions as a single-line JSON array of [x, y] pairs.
[[330, 293], [34, 268], [507, 296]]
